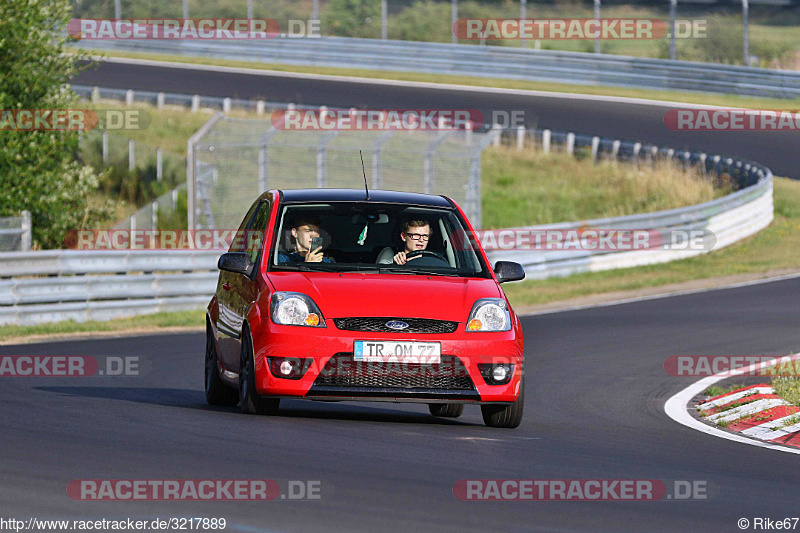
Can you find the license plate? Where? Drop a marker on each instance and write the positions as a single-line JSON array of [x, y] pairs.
[[399, 351]]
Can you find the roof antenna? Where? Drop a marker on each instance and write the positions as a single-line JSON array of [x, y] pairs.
[[365, 173]]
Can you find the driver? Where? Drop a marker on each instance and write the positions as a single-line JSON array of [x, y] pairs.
[[304, 230], [415, 236]]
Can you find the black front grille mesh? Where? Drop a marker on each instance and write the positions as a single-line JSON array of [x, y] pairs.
[[343, 371], [378, 325]]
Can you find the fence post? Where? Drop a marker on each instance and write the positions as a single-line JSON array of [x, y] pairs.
[[95, 94], [520, 137], [154, 209], [105, 147], [27, 230], [496, 139], [260, 107], [131, 158], [174, 199], [195, 103], [546, 141], [226, 105], [615, 149], [595, 148], [129, 97], [263, 159], [160, 100], [570, 143], [636, 149], [159, 165], [191, 171], [384, 27]]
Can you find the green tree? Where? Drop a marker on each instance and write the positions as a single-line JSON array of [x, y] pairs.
[[38, 169], [352, 18]]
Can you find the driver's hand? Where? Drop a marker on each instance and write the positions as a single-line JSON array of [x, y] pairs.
[[314, 256], [401, 259]]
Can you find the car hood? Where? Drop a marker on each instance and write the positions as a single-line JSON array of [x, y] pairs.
[[402, 296]]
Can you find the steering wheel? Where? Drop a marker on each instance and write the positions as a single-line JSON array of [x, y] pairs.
[[427, 254]]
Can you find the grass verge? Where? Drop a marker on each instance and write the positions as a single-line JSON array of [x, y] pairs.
[[788, 388], [715, 390], [771, 249], [522, 188], [138, 324]]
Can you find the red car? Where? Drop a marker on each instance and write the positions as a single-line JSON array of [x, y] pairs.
[[333, 294]]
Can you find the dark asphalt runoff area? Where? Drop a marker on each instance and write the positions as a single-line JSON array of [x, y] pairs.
[[595, 393], [624, 120]]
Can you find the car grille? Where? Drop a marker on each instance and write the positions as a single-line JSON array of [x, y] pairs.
[[342, 371], [378, 325]]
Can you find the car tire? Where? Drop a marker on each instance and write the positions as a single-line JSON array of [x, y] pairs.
[[250, 401], [505, 416], [217, 392], [447, 410]]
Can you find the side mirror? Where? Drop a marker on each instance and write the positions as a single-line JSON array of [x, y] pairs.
[[238, 262], [508, 271]]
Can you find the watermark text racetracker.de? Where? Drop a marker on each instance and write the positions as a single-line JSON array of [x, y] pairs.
[[732, 120], [377, 119], [73, 119], [190, 29], [732, 365], [70, 366], [592, 239], [576, 28], [196, 489], [580, 490]]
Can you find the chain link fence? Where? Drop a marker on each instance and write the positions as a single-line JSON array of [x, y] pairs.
[[234, 160]]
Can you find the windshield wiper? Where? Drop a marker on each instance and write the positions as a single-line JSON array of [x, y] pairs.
[[318, 267], [407, 270]]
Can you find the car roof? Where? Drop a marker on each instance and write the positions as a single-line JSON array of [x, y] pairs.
[[358, 195]]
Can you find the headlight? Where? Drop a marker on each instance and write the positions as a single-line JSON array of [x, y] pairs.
[[489, 314], [295, 309]]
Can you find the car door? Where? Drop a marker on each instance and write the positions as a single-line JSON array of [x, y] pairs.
[[244, 288], [227, 331]]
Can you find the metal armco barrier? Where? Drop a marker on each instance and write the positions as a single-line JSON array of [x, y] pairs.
[[484, 61], [102, 285]]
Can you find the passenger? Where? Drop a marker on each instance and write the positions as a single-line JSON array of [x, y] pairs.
[[304, 231]]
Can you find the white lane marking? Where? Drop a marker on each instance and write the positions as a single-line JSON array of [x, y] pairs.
[[665, 295], [746, 409], [677, 409], [416, 84], [773, 429], [737, 396]]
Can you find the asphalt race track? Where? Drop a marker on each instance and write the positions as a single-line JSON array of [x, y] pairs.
[[639, 122], [595, 394]]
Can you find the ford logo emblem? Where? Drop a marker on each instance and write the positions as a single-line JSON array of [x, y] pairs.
[[396, 324]]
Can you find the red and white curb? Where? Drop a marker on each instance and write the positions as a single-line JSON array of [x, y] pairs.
[[755, 423], [756, 412]]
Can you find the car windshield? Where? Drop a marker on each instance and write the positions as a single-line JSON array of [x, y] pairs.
[[374, 238]]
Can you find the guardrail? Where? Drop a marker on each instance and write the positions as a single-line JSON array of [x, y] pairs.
[[16, 232], [485, 61], [102, 285]]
